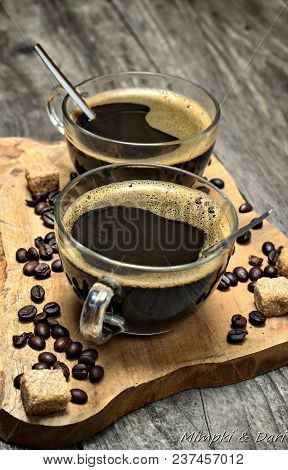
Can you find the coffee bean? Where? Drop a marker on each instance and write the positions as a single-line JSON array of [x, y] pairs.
[[87, 360], [96, 373], [251, 286], [29, 335], [245, 238], [47, 357], [19, 341], [52, 309], [255, 260], [38, 241], [267, 247], [33, 254], [49, 236], [42, 271], [224, 284], [27, 313], [255, 273], [241, 273], [29, 268], [52, 197], [54, 246], [52, 322], [57, 266], [90, 352], [40, 207], [62, 366], [37, 342], [73, 175], [232, 278], [78, 396], [245, 207], [218, 183], [58, 331], [270, 271], [257, 318], [257, 226], [17, 381], [74, 350], [238, 321], [45, 252], [42, 329], [273, 257], [37, 294], [40, 366], [48, 219], [62, 344], [80, 372], [40, 318], [236, 336], [22, 255]]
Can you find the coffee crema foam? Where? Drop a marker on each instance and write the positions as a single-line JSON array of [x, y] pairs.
[[165, 199], [171, 113]]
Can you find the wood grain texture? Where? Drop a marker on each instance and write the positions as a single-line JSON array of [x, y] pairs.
[[210, 43]]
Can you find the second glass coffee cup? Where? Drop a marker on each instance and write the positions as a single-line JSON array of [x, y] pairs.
[[140, 117]]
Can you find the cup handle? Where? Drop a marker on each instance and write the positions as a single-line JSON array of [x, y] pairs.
[[96, 324], [56, 92]]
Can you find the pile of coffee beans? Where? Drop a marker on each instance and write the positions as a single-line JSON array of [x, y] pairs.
[[43, 205]]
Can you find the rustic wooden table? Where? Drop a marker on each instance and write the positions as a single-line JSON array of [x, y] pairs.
[[238, 50]]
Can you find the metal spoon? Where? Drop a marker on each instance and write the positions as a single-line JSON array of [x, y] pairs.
[[64, 82], [226, 241]]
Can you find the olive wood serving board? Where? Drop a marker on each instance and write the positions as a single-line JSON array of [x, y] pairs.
[[138, 370]]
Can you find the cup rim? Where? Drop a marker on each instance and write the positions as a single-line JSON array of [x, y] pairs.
[[138, 144], [142, 268]]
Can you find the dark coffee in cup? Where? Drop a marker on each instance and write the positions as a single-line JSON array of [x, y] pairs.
[[153, 224], [129, 119]]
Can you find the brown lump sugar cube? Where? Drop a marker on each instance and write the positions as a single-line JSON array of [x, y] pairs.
[[42, 178], [271, 296], [44, 392], [282, 263]]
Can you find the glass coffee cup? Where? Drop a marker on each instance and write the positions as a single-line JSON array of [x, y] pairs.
[[130, 238], [141, 117]]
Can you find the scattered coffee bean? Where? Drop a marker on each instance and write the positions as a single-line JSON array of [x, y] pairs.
[[236, 336], [17, 381], [27, 313], [47, 357], [19, 341], [232, 278], [257, 226], [49, 236], [38, 241], [238, 321], [62, 344], [245, 207], [273, 257], [40, 318], [22, 255], [40, 207], [218, 183], [74, 350], [78, 396], [52, 322], [57, 266], [90, 352], [245, 238], [87, 360], [43, 330], [251, 286], [54, 246], [29, 268], [37, 294], [96, 373], [257, 318], [52, 197], [45, 252], [241, 273], [52, 309], [270, 271], [42, 271], [73, 175], [255, 260], [40, 366], [224, 284], [33, 254], [37, 342], [267, 247], [80, 372], [58, 331], [62, 366], [255, 273], [48, 219]]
